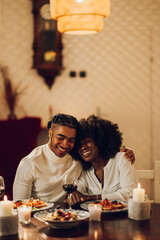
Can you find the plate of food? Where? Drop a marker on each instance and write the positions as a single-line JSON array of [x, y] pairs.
[[62, 218], [36, 204], [108, 206]]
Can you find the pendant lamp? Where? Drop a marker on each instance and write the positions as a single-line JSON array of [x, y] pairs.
[[79, 16]]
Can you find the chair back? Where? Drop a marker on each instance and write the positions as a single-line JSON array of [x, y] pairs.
[[153, 175]]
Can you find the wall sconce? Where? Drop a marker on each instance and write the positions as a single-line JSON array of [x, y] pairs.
[[79, 16]]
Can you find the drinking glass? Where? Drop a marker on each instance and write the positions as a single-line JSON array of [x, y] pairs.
[[2, 186], [69, 185]]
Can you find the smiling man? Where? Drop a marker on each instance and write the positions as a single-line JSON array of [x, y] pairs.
[[39, 175], [62, 139]]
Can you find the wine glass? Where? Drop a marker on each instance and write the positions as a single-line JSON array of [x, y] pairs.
[[2, 186], [69, 185]]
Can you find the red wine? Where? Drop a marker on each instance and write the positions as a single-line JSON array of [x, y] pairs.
[[69, 188], [1, 191]]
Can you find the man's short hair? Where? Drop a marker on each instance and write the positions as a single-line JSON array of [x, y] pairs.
[[64, 120]]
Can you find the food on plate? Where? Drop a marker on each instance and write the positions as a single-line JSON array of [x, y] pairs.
[[31, 202], [61, 216], [110, 205], [17, 204]]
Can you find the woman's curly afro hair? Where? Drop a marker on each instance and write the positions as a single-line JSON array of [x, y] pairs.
[[105, 134]]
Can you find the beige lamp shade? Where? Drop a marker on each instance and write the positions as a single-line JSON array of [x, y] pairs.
[[79, 16]]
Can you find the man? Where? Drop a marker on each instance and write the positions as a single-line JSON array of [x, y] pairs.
[[39, 175]]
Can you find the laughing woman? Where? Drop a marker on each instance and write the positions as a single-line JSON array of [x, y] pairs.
[[107, 173]]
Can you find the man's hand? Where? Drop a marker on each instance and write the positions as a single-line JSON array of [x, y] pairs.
[[129, 154]]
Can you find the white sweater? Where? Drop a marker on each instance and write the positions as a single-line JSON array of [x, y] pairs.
[[39, 175]]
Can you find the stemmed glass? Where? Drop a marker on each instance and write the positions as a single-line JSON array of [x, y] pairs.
[[69, 185], [2, 186]]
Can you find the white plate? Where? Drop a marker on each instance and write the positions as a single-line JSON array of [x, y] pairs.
[[82, 215], [85, 206], [47, 206]]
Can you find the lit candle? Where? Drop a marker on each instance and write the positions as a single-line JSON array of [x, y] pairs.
[[95, 212], [5, 207], [24, 214], [95, 235], [138, 194]]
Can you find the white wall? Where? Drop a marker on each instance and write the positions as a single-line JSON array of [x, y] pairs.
[[123, 72]]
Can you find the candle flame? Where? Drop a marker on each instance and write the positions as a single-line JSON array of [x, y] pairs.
[[5, 198], [139, 186], [95, 234]]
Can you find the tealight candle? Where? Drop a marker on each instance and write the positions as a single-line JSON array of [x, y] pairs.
[[138, 194], [5, 207], [95, 212], [24, 214]]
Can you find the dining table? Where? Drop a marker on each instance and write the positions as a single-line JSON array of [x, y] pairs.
[[112, 226]]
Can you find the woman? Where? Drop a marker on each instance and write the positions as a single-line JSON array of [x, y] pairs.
[[107, 173]]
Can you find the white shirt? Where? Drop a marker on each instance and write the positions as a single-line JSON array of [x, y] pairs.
[[39, 175], [119, 180]]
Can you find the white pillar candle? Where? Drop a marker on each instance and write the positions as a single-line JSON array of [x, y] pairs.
[[138, 194], [9, 225], [24, 214], [95, 212], [139, 210], [6, 207]]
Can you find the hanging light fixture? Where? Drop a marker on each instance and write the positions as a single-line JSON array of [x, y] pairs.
[[79, 16]]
